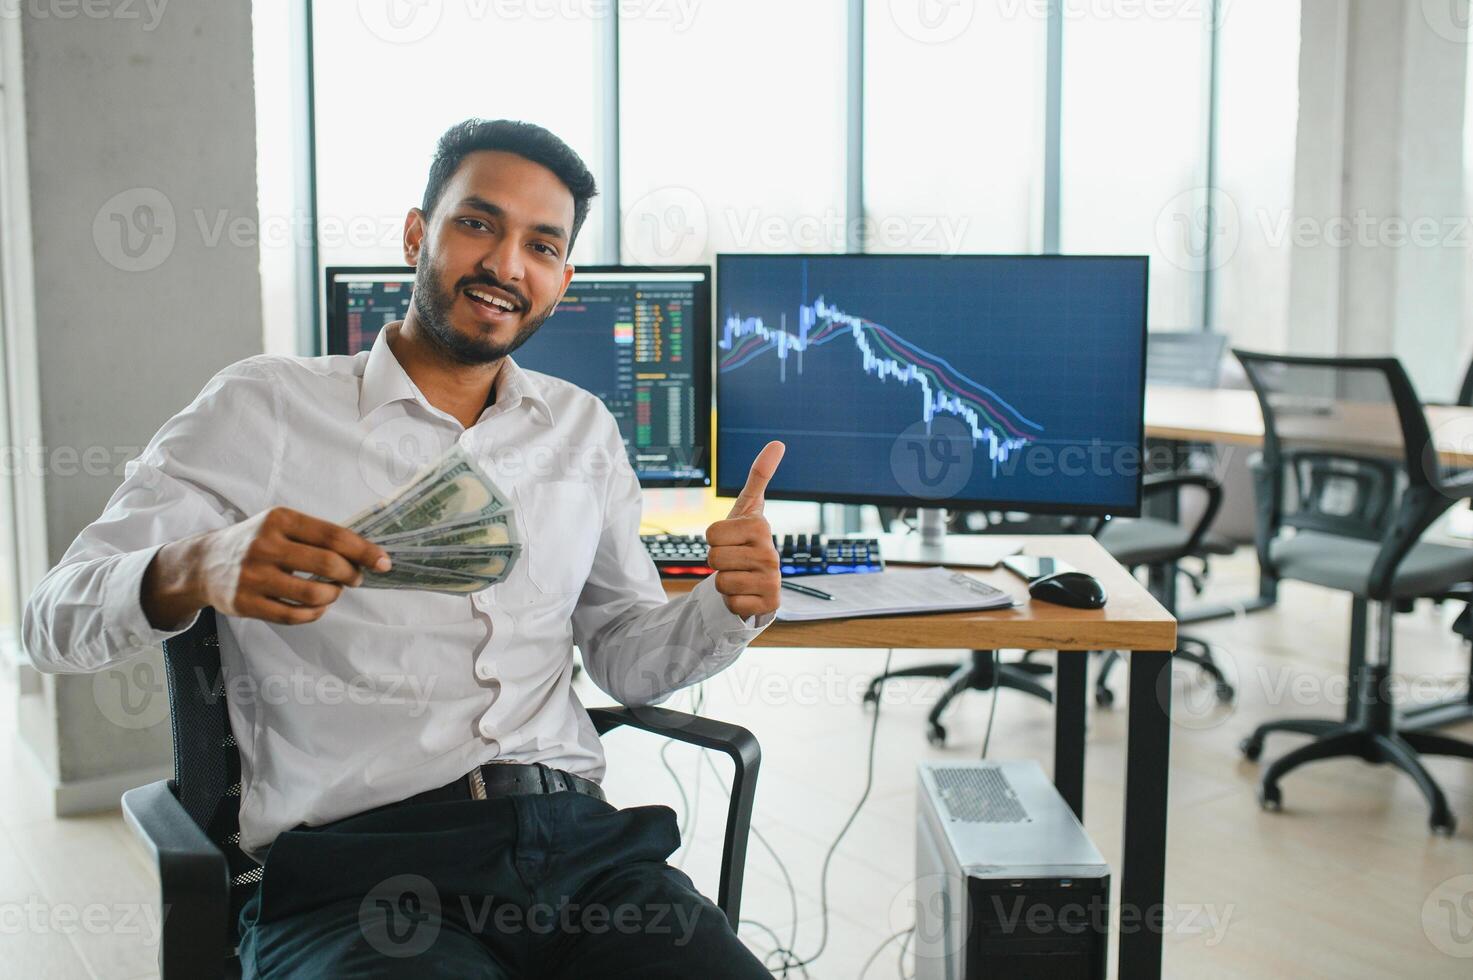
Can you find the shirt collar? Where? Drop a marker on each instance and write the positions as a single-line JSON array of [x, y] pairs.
[[385, 381]]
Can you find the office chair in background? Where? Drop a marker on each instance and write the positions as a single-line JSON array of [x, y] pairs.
[[1347, 483], [191, 823]]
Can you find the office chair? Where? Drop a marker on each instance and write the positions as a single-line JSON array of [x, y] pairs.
[[1160, 546], [191, 823], [1346, 484]]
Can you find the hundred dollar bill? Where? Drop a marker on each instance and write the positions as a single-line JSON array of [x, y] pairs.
[[407, 575], [497, 529], [454, 490], [494, 563]]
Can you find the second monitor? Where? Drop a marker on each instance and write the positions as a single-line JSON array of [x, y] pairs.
[[962, 381], [639, 339]]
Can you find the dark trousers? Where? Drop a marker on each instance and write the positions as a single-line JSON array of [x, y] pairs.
[[556, 885]]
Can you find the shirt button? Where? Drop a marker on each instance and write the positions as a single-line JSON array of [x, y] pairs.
[[483, 671], [486, 728], [134, 639]]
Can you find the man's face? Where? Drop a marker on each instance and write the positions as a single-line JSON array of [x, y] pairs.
[[491, 262]]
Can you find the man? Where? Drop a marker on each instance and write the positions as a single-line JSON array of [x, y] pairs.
[[351, 801]]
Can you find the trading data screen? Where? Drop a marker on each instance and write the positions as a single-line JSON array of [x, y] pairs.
[[639, 340], [1014, 382]]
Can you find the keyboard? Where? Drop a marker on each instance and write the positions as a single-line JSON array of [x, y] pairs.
[[684, 555]]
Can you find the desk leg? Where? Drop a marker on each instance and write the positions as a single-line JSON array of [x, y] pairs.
[[1069, 701], [1143, 871]]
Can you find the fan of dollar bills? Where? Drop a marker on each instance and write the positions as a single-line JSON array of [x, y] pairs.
[[449, 530]]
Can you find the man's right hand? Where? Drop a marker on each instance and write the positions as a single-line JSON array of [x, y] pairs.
[[247, 570]]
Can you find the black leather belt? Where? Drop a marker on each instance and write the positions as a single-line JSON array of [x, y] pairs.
[[497, 779]]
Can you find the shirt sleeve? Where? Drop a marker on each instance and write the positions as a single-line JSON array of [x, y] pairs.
[[208, 467], [639, 646]]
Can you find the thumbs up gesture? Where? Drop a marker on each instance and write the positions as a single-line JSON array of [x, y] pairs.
[[741, 548]]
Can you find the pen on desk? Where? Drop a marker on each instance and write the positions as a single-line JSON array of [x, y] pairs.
[[806, 590]]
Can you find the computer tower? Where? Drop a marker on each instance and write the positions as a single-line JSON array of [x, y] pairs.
[[1007, 883]]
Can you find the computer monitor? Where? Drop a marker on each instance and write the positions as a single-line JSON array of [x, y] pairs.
[[983, 382], [638, 338]]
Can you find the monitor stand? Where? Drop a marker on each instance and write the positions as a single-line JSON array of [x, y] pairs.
[[933, 546]]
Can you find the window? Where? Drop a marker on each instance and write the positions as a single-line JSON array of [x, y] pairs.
[[732, 130], [1257, 123], [1134, 139], [953, 120], [391, 78]]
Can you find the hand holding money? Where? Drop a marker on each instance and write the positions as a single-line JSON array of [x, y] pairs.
[[449, 530]]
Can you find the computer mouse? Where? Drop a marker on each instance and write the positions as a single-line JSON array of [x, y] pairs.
[[1077, 589]]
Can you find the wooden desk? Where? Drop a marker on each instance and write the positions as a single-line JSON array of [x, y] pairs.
[[1132, 620], [1231, 416]]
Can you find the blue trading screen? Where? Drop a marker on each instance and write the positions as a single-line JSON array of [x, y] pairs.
[[636, 339], [946, 381]]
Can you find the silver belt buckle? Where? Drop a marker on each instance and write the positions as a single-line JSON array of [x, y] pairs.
[[477, 784]]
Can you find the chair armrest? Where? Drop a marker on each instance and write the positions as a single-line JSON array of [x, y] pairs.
[[746, 757], [194, 882], [1161, 482]]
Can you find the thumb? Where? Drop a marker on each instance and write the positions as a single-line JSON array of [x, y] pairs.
[[749, 501]]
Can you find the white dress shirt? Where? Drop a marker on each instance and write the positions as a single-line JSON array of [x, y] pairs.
[[391, 693]]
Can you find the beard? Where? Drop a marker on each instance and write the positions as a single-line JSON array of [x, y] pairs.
[[432, 304]]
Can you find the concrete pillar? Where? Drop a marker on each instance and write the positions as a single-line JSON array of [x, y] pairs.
[[139, 143], [1380, 239]]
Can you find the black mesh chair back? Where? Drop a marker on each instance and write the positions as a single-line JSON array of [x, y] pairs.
[[1184, 358], [206, 759], [1465, 393], [1346, 450]]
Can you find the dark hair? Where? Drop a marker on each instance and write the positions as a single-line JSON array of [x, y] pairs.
[[526, 140]]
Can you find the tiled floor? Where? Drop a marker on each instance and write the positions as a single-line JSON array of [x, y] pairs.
[[1346, 882]]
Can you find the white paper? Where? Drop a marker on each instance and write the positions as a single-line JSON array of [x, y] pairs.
[[890, 593]]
